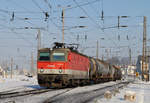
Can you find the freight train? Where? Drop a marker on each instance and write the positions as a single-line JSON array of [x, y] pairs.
[[64, 66]]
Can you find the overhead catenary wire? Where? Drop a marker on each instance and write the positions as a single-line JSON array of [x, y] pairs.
[[28, 10], [93, 21], [49, 5], [58, 27], [84, 4], [18, 34], [38, 6], [25, 19], [49, 17], [9, 12], [90, 17], [18, 5]]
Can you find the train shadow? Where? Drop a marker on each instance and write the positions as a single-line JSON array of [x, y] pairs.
[[63, 87], [34, 87]]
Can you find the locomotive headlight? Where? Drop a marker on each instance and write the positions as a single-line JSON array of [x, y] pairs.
[[60, 70], [41, 70]]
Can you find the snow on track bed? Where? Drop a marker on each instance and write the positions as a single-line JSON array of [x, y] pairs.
[[22, 93], [30, 84], [22, 89], [36, 97], [141, 89], [83, 96], [18, 83]]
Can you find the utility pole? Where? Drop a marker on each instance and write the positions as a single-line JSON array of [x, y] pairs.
[[107, 51], [32, 64], [6, 69], [130, 61], [118, 22], [102, 57], [63, 10], [62, 16], [130, 57], [11, 67], [97, 50], [144, 56], [39, 39]]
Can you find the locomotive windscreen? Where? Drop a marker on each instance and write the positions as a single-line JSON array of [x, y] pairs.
[[58, 56], [44, 56]]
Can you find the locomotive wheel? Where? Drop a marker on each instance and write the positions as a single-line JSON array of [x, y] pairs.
[[57, 85], [73, 84], [82, 82]]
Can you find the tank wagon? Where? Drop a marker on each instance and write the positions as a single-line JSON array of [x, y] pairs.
[[63, 66]]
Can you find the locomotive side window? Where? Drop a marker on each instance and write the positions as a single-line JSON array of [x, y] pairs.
[[44, 56], [58, 56]]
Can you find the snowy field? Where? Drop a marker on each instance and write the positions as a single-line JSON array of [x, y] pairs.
[[18, 83], [140, 89]]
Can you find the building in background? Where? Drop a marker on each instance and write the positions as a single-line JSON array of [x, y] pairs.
[[131, 70], [1, 71], [139, 64]]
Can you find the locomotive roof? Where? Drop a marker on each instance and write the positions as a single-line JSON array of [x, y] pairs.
[[68, 49], [42, 49]]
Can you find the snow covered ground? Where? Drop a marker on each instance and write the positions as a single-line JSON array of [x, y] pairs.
[[141, 90], [18, 83], [21, 83]]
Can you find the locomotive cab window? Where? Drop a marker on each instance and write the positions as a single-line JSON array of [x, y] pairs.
[[44, 56], [58, 56]]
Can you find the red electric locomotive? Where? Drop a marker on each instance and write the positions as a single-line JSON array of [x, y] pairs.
[[62, 66]]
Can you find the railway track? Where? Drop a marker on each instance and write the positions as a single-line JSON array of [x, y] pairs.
[[4, 95], [84, 97], [8, 91], [30, 95]]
